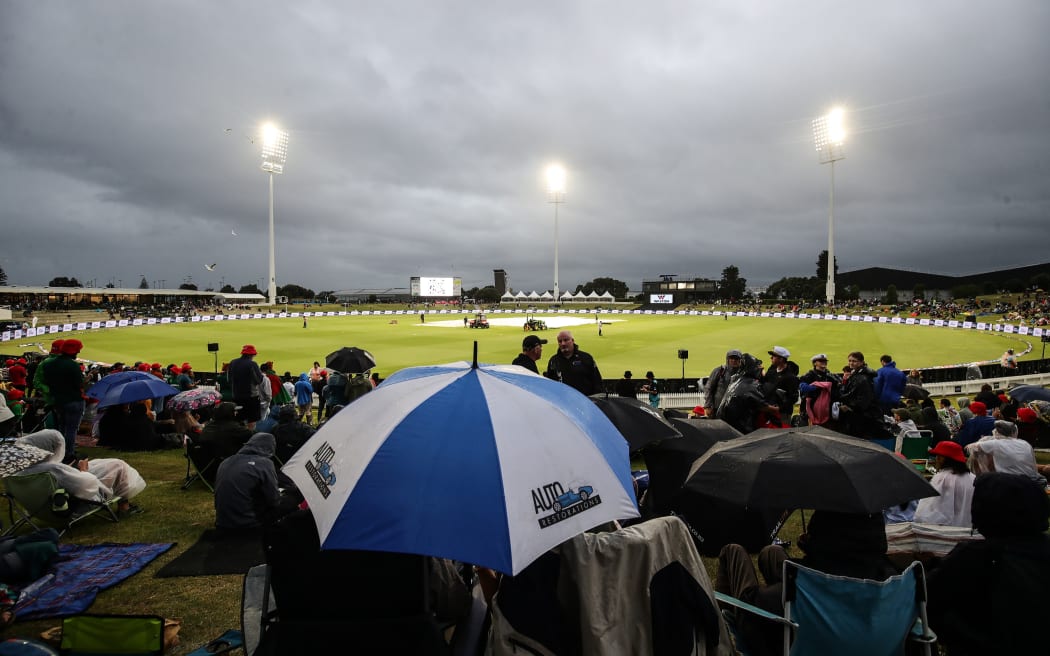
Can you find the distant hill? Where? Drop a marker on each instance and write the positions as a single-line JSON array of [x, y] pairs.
[[880, 278]]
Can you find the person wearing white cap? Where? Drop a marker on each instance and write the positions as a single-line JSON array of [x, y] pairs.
[[817, 388], [780, 382]]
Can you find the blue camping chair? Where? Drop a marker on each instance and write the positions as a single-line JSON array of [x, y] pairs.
[[826, 614]]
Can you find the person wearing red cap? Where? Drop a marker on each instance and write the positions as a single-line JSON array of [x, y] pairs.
[[185, 381], [976, 428], [954, 482], [39, 385], [16, 373], [65, 382], [245, 376]]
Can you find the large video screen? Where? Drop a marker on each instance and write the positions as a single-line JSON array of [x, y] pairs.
[[434, 287], [661, 298]]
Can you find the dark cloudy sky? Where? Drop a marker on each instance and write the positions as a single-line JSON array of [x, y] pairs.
[[420, 129]]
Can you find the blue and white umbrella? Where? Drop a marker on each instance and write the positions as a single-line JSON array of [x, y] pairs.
[[490, 465]]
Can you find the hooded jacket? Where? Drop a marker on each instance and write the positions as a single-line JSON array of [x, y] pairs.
[[246, 485], [989, 596], [718, 383], [889, 385], [743, 399], [304, 391]]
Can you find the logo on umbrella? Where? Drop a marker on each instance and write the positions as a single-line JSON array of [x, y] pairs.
[[565, 504], [321, 473]]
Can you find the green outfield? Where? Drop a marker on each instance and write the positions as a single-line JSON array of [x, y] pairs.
[[636, 342]]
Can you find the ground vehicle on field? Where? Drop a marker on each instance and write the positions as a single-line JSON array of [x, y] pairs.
[[479, 322]]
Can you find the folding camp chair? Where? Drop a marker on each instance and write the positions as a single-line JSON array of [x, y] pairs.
[[915, 446], [109, 635], [38, 502], [826, 614], [201, 464]]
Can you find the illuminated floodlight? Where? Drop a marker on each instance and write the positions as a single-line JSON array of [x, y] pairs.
[[274, 154], [829, 137], [556, 178], [274, 148]]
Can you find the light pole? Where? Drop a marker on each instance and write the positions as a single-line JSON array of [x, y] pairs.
[[556, 188], [829, 135], [274, 153]]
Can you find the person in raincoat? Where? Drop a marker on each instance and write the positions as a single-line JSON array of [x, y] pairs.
[[304, 397], [95, 480], [743, 403], [246, 491]]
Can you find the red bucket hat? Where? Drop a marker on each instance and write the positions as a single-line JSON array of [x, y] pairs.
[[72, 347], [56, 346], [978, 408], [249, 350], [950, 450], [1027, 415]]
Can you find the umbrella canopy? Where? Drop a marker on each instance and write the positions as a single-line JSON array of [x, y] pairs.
[[1026, 393], [916, 392], [490, 465], [810, 468], [136, 390], [638, 422], [16, 457], [669, 461], [199, 397], [350, 360], [99, 389]]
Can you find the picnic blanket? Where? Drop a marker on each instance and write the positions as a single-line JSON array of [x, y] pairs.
[[913, 537], [80, 573], [216, 553]]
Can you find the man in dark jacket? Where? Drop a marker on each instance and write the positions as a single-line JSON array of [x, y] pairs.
[[718, 381], [245, 377], [290, 433], [246, 492], [224, 434], [531, 350], [780, 383], [625, 386], [889, 385], [860, 415], [574, 367], [990, 596]]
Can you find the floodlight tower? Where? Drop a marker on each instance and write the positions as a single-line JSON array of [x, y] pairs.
[[556, 188], [829, 134], [274, 154]]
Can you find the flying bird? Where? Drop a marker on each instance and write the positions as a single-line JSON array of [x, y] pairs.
[[234, 233], [210, 267]]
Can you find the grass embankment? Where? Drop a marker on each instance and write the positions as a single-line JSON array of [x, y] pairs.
[[206, 605]]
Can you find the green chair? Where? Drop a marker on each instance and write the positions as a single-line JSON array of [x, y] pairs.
[[112, 635], [915, 446], [36, 501]]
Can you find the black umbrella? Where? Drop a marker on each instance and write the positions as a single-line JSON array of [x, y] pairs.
[[810, 468], [669, 461], [916, 392], [639, 423], [712, 522], [1026, 393], [350, 360]]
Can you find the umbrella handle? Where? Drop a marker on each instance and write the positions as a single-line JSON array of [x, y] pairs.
[[475, 364]]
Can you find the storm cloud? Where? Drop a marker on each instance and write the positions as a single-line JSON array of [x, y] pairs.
[[419, 132]]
